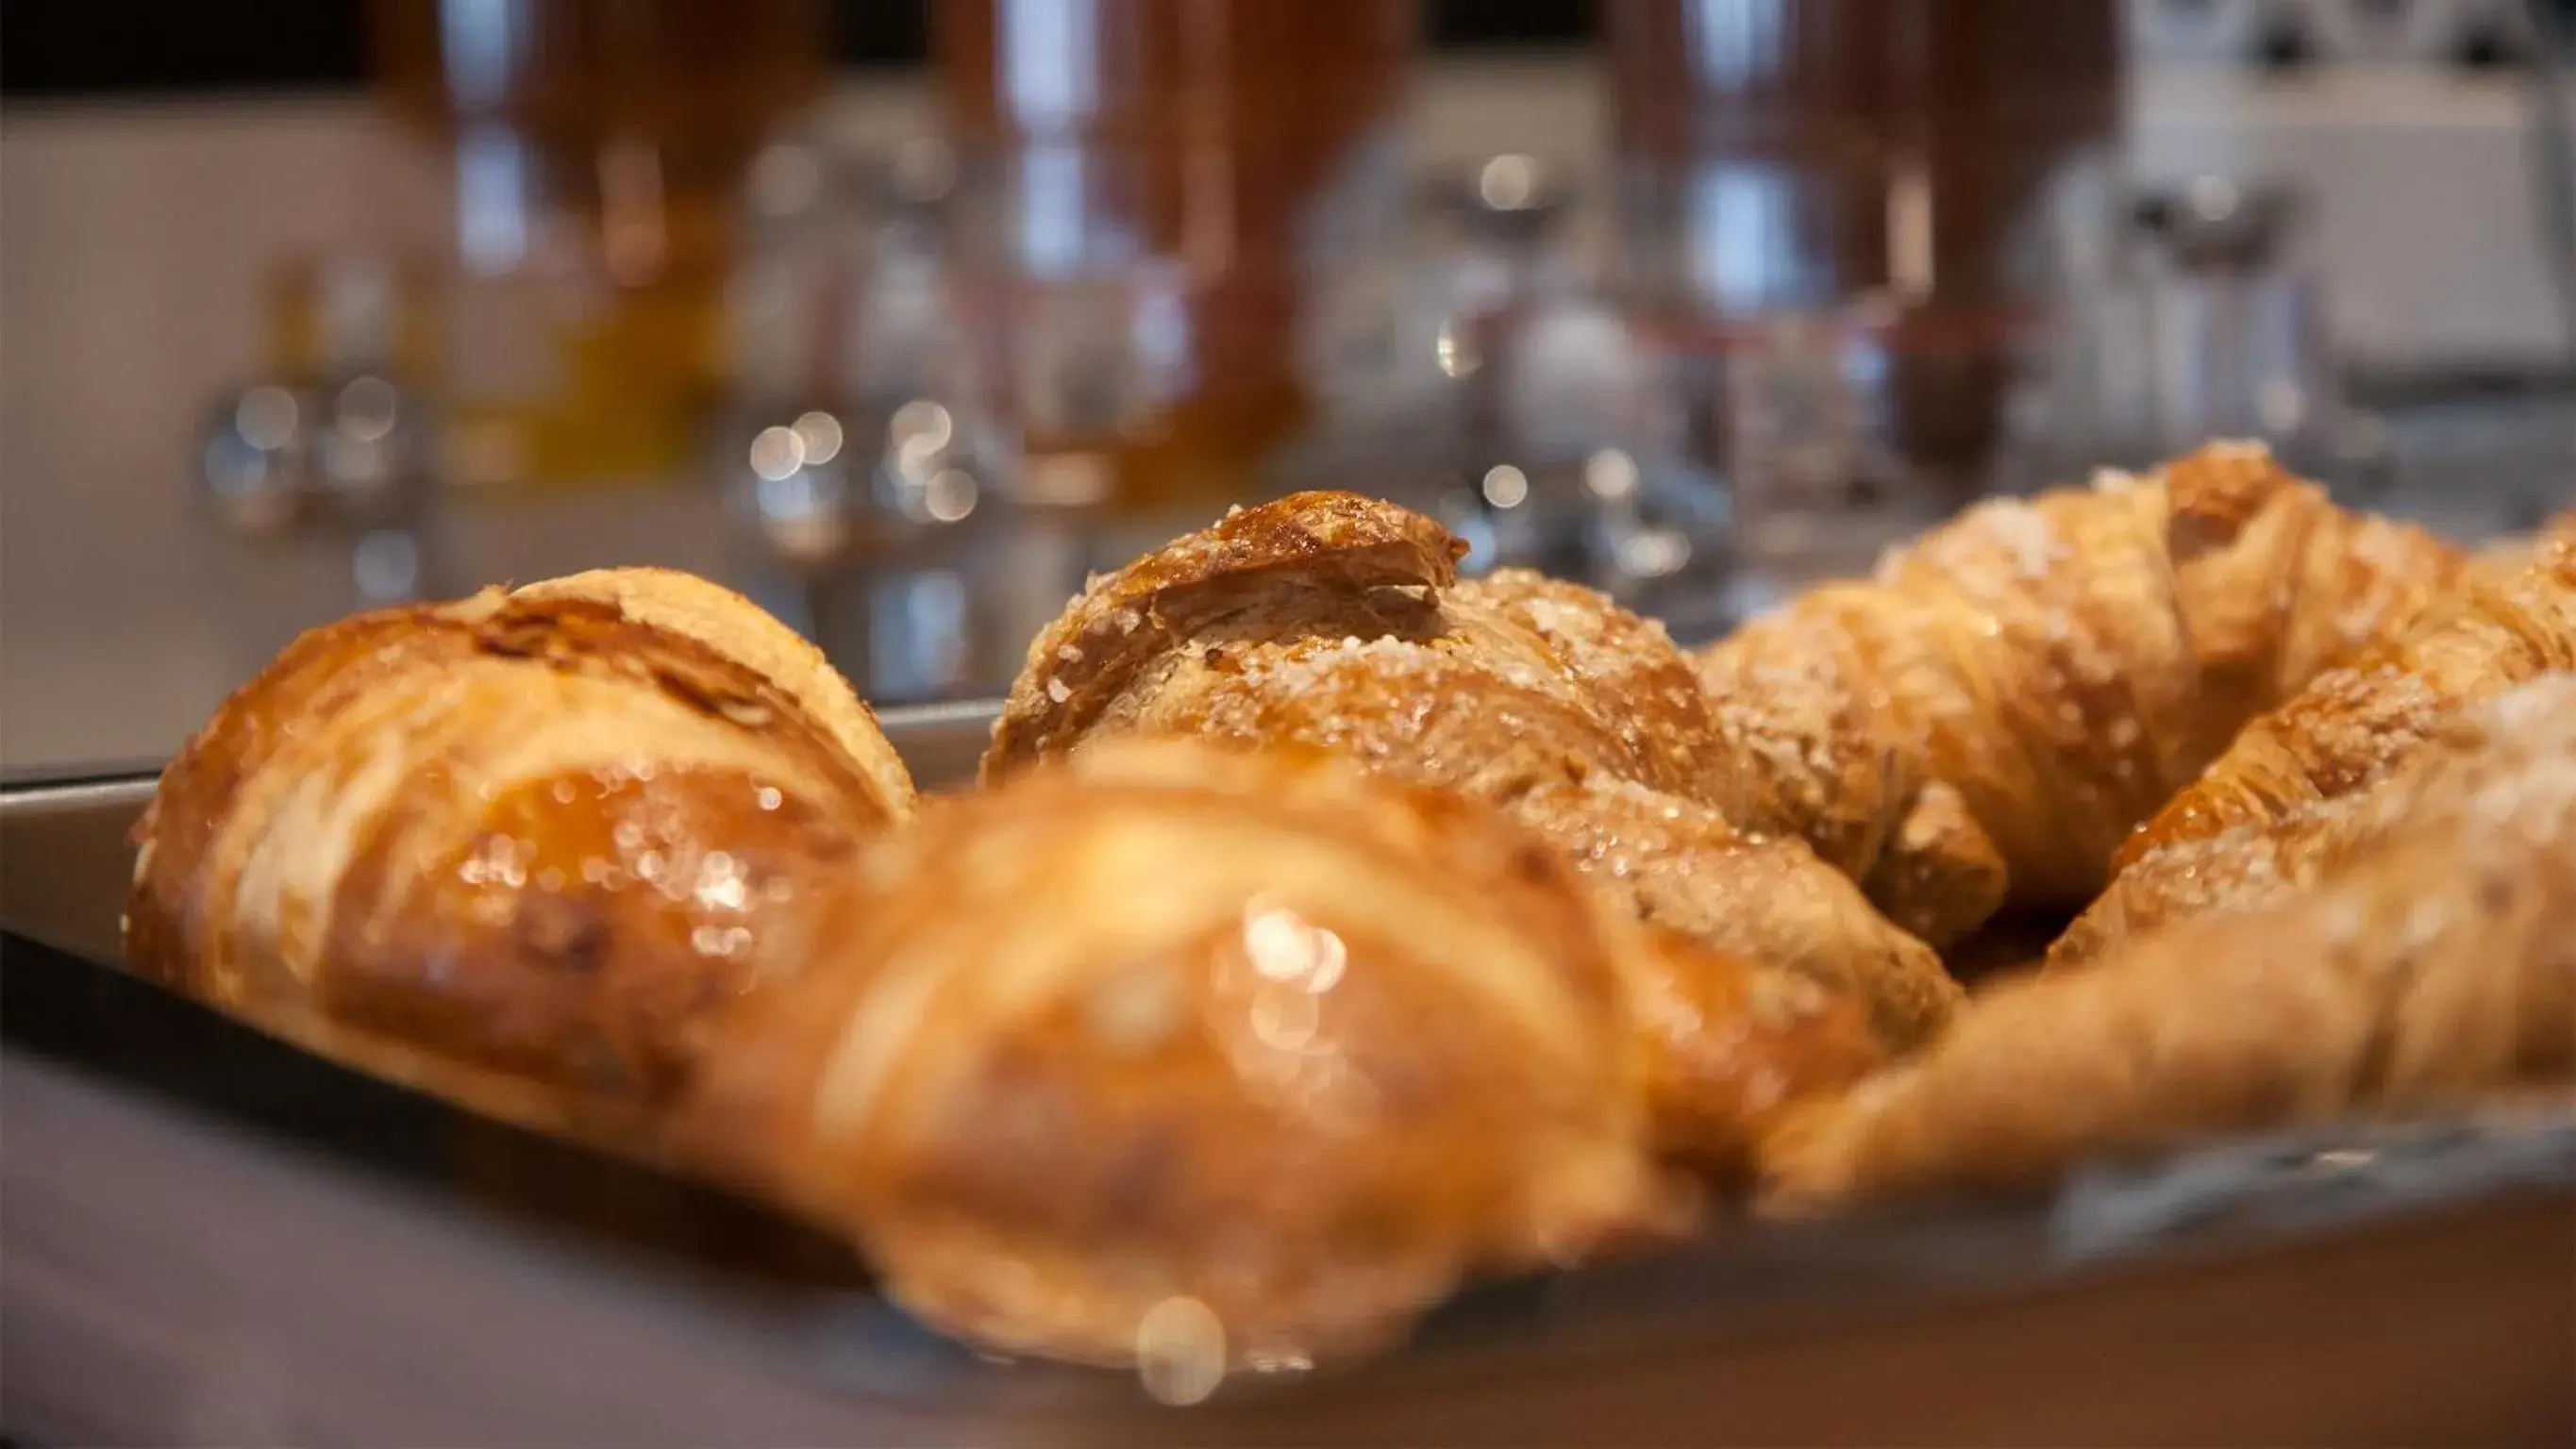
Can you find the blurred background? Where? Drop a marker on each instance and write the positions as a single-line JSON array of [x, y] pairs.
[[902, 316]]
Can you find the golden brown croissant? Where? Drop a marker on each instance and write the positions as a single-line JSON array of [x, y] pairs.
[[1169, 1053], [1338, 622], [2247, 831], [1731, 1045], [2515, 552], [518, 849], [1988, 718], [2437, 961]]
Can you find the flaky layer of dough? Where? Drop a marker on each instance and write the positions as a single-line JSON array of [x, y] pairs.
[[1985, 720], [515, 850], [2436, 962], [2251, 830]]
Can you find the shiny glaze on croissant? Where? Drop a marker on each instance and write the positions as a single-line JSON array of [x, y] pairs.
[[517, 850], [1337, 622], [1984, 721], [2434, 962], [2248, 832], [1166, 1051]]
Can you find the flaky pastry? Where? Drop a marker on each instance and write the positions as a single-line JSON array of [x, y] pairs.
[[1984, 721], [2434, 963], [516, 850], [2250, 830], [1166, 1038], [1338, 623]]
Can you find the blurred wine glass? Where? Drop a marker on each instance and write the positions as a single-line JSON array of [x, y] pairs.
[[2206, 321], [594, 151], [334, 440], [885, 500], [1841, 222], [1480, 374]]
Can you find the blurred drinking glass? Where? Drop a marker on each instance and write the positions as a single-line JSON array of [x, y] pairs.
[[861, 446], [331, 441], [596, 150], [1843, 219], [2207, 322], [1148, 189], [1478, 373]]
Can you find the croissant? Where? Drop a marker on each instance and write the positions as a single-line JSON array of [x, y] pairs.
[[1338, 622], [2436, 961], [517, 850], [1984, 721], [1189, 1059], [2515, 552], [2249, 830]]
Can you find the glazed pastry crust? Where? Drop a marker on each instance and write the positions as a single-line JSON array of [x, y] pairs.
[[712, 615], [515, 850], [2435, 962], [1985, 721], [1261, 1036]]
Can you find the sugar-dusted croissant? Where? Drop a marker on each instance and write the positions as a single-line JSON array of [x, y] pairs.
[[516, 850], [2437, 961], [1338, 622], [1988, 718], [1180, 1057], [2515, 552], [2249, 830]]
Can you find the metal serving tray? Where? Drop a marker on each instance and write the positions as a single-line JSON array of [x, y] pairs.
[[212, 1237]]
